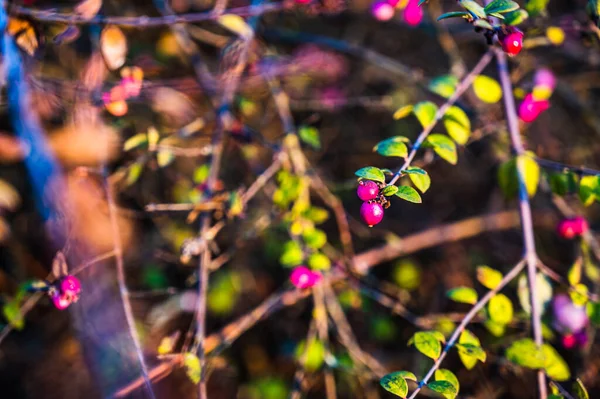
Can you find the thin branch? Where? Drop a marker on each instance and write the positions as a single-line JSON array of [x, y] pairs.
[[561, 167], [514, 272], [524, 208], [322, 323], [460, 89]]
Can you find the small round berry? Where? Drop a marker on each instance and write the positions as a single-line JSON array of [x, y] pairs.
[[382, 10], [580, 225], [569, 341], [531, 108], [512, 44], [566, 229], [413, 14], [367, 190], [371, 213], [71, 286], [302, 277], [568, 317], [61, 302]]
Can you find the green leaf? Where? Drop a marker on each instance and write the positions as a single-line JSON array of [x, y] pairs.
[[495, 14], [555, 366], [421, 181], [496, 329], [453, 14], [164, 157], [388, 191], [579, 391], [395, 383], [316, 214], [413, 170], [445, 388], [530, 173], [589, 187], [463, 295], [134, 171], [314, 238], [319, 261], [12, 314], [392, 147], [310, 136], [135, 141], [457, 124], [371, 173], [313, 357], [444, 85], [443, 146], [515, 17], [482, 23], [467, 352], [409, 194], [192, 367], [428, 343], [535, 7], [292, 254], [501, 6], [487, 89], [201, 173], [507, 178], [403, 112], [488, 277], [425, 112], [526, 353], [561, 183], [500, 309], [447, 375], [473, 7]]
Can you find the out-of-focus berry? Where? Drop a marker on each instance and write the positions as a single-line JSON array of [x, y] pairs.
[[302, 277]]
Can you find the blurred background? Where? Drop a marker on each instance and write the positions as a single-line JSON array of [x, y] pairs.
[[345, 74]]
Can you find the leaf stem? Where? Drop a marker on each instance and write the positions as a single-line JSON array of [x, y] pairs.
[[460, 89]]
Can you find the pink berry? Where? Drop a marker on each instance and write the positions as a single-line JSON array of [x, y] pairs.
[[382, 10], [413, 14], [371, 213], [569, 341], [367, 190], [531, 108], [70, 286], [568, 317], [580, 225], [544, 77], [302, 277], [512, 44], [61, 302], [303, 1]]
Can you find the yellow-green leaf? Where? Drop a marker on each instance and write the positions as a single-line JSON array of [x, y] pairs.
[[555, 366], [444, 388], [488, 277], [192, 367], [421, 181], [428, 343], [447, 375], [425, 112], [403, 112], [487, 89], [530, 173], [500, 309], [525, 352], [392, 147], [236, 24], [467, 357], [589, 187], [135, 141], [579, 390], [395, 383], [409, 194], [463, 295], [443, 146], [164, 157], [371, 173], [457, 124]]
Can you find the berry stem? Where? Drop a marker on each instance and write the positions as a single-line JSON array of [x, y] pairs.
[[460, 89]]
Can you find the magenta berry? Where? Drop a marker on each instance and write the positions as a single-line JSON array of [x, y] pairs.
[[70, 285], [569, 341], [382, 10], [367, 190], [580, 225], [413, 14], [531, 108], [568, 317], [512, 43], [61, 301], [302, 277], [571, 228], [371, 213]]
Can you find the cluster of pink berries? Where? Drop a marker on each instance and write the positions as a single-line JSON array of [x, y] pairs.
[[302, 277], [384, 10], [573, 227], [371, 211], [570, 320], [130, 86], [537, 102], [511, 40], [65, 292]]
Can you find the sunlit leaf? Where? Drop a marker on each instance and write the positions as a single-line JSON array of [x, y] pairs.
[[403, 112], [457, 124], [500, 309], [447, 375], [292, 254], [530, 173], [544, 292], [425, 112], [453, 14], [487, 89], [409, 194], [555, 366], [443, 146], [192, 367], [579, 391], [164, 157], [501, 6], [467, 354], [319, 261], [421, 180], [463, 295], [388, 191], [314, 356], [445, 85], [310, 136], [392, 147], [236, 24], [525, 352], [12, 313], [428, 343], [444, 388], [473, 7], [135, 141], [515, 17], [134, 171], [488, 277], [395, 383], [314, 238], [371, 173], [589, 189]]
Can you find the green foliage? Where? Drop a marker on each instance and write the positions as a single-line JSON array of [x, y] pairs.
[[448, 376], [223, 292], [500, 309], [425, 112], [419, 178], [409, 194], [444, 388], [473, 7], [428, 343], [516, 17], [563, 183], [530, 172], [314, 238], [443, 146], [579, 391], [501, 6], [488, 277], [396, 382], [388, 191], [445, 85], [371, 173], [453, 14], [407, 275], [135, 141], [12, 313], [536, 7], [508, 177], [292, 254], [555, 366], [463, 295], [191, 363], [526, 353], [314, 356], [316, 214], [319, 261], [310, 135], [467, 352], [589, 189], [201, 173], [457, 124], [392, 147], [487, 89]]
